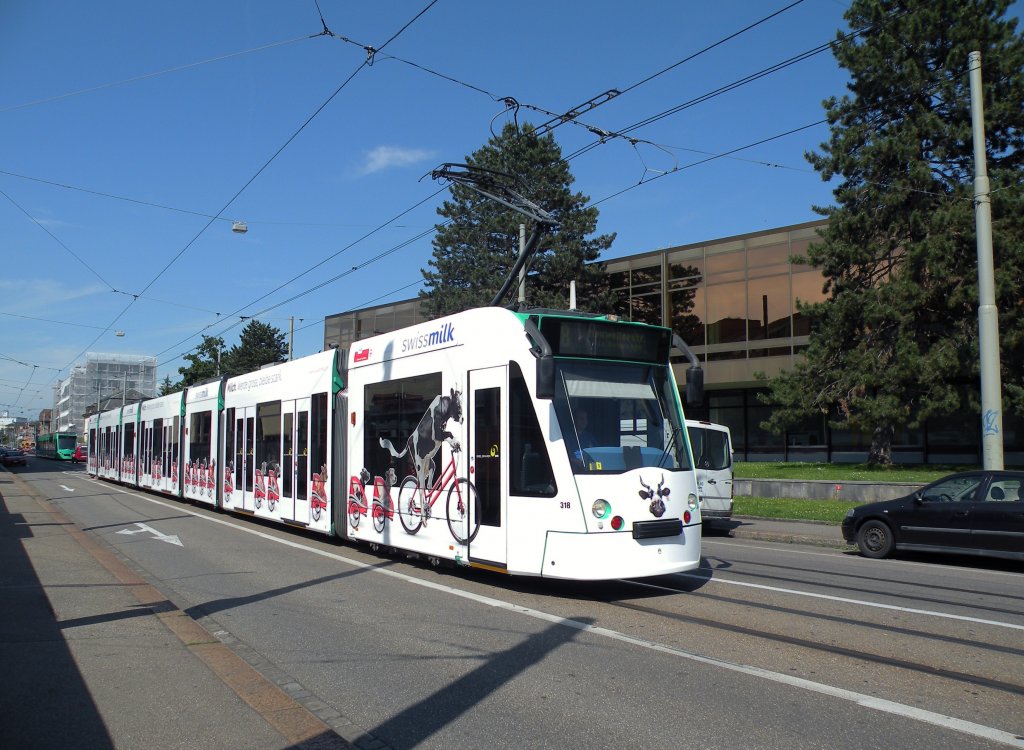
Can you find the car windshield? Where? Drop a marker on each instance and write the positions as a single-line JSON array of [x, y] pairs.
[[710, 448], [617, 416], [952, 489]]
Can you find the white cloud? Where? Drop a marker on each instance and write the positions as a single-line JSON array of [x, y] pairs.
[[385, 157], [29, 296]]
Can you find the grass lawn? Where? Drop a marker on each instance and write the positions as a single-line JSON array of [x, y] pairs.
[[830, 511], [844, 472]]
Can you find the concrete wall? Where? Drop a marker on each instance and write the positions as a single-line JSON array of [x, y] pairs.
[[817, 489]]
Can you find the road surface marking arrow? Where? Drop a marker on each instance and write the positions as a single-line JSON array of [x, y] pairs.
[[67, 489], [169, 538]]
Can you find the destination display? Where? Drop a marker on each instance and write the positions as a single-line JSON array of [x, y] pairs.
[[583, 337]]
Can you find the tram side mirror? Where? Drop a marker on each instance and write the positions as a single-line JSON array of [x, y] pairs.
[[545, 376], [694, 386]]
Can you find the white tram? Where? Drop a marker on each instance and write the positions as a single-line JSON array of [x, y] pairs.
[[539, 443]]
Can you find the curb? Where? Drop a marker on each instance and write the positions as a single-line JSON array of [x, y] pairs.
[[835, 541], [774, 536]]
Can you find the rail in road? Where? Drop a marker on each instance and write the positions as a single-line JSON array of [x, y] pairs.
[[765, 646]]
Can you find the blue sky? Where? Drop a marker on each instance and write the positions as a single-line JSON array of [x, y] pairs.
[[126, 127]]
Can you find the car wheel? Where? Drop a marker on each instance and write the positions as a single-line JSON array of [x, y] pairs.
[[875, 539]]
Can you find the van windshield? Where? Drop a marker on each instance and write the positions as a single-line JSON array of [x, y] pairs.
[[710, 448], [616, 416]]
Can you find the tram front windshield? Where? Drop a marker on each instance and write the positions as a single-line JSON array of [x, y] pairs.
[[615, 417]]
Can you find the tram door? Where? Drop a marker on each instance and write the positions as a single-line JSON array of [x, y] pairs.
[[168, 466], [147, 453], [286, 482], [488, 464], [300, 459], [245, 457]]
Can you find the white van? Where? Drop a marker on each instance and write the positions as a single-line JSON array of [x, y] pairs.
[[712, 455]]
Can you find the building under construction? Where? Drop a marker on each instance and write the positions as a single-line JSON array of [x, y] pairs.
[[103, 376]]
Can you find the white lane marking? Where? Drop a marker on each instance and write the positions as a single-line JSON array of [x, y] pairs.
[[143, 528], [785, 547], [843, 599], [868, 701], [66, 488]]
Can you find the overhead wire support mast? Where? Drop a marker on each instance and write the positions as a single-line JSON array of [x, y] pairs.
[[495, 186]]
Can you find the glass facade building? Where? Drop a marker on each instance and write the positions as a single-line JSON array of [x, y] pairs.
[[734, 301]]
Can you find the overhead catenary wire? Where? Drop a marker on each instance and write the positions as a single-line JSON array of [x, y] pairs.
[[371, 54], [154, 74], [267, 163], [376, 53], [321, 284], [57, 239]]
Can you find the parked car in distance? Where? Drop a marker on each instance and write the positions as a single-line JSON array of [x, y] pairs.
[[12, 457], [971, 512], [80, 454]]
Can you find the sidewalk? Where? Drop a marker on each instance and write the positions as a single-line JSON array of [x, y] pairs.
[[94, 656]]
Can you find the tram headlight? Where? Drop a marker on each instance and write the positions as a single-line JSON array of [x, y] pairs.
[[691, 501], [601, 508]]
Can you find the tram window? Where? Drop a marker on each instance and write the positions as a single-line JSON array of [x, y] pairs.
[[199, 431], [229, 437], [487, 433], [288, 455], [268, 436], [157, 445], [393, 409], [318, 436], [129, 440], [529, 463], [174, 446], [302, 462]]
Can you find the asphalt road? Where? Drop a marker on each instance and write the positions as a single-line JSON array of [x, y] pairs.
[[766, 646]]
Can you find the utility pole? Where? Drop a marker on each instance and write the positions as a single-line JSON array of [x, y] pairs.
[[988, 314], [291, 335], [522, 271], [124, 391]]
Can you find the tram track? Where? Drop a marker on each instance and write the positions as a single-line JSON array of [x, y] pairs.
[[862, 591], [888, 661]]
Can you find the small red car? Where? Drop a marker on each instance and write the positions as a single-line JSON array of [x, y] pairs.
[[81, 454]]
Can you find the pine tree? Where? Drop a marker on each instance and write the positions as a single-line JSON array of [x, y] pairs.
[[895, 342], [475, 251], [167, 386]]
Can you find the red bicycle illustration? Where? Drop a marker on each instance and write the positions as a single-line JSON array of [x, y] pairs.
[[260, 491], [382, 507], [318, 503], [357, 506], [463, 505], [273, 493]]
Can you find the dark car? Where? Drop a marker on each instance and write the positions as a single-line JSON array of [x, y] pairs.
[[80, 454], [12, 457], [972, 513]]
